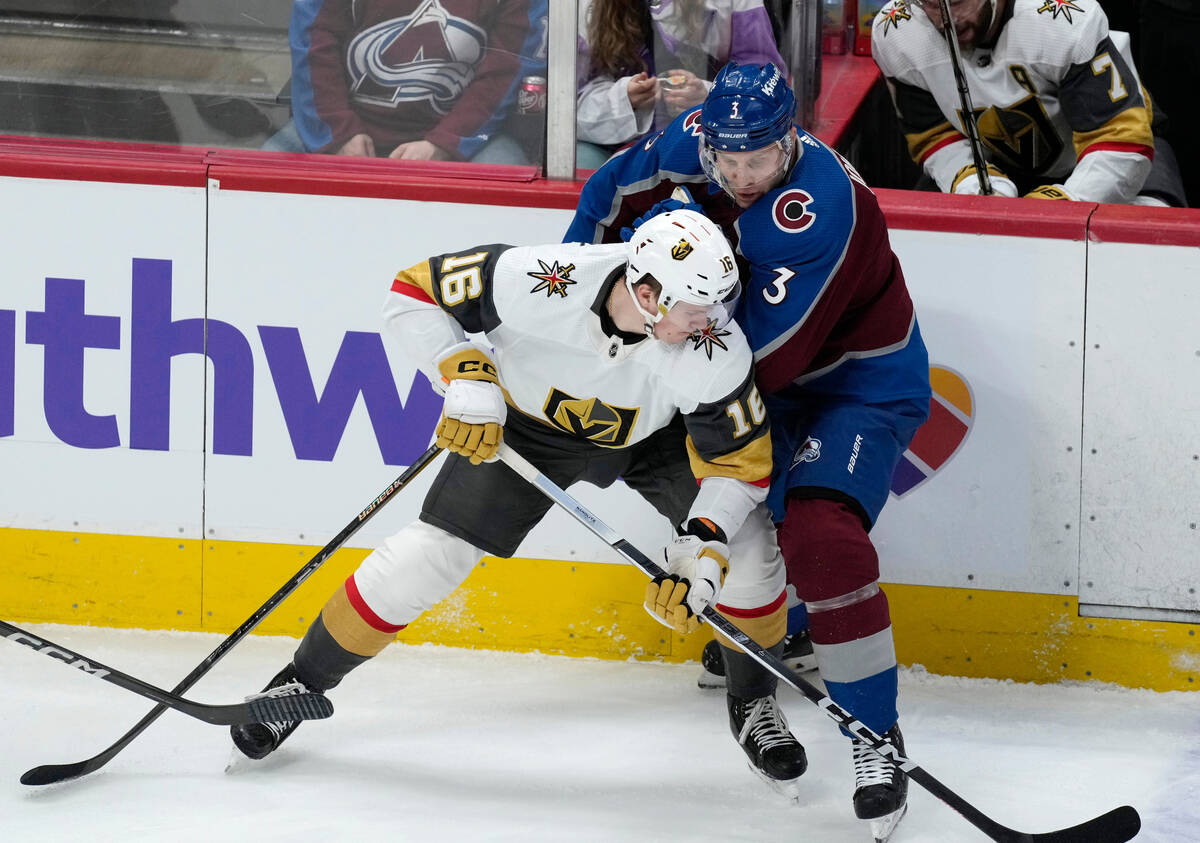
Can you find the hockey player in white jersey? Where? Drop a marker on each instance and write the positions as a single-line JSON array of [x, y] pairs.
[[1060, 109], [601, 362]]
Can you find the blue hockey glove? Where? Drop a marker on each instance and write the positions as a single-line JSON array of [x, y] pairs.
[[679, 199]]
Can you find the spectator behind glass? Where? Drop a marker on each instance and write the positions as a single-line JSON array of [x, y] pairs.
[[410, 79], [624, 43]]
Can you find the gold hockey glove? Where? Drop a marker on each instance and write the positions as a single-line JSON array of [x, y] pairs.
[[1049, 191], [473, 412], [694, 573]]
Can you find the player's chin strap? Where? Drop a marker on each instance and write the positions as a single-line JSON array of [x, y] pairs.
[[1117, 826]]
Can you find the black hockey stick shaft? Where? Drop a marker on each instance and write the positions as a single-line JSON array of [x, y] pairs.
[[52, 773], [266, 710], [964, 99], [1116, 826]]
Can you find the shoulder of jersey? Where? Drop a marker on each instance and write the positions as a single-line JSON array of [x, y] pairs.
[[677, 144], [532, 281], [1049, 22], [903, 41], [715, 361], [896, 17]]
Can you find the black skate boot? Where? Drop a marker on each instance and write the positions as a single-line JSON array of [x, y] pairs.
[[713, 674], [798, 652], [774, 753], [797, 655], [258, 740], [881, 788]]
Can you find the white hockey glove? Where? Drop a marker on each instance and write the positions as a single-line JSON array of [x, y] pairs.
[[474, 411], [694, 572], [966, 182]]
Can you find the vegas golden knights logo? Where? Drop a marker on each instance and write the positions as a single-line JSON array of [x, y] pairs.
[[1060, 7], [681, 250], [1021, 134], [590, 419]]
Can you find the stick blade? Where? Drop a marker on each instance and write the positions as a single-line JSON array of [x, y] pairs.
[[54, 773], [291, 707], [1117, 826]]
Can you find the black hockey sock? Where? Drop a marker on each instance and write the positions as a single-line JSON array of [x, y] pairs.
[[321, 663], [747, 679]]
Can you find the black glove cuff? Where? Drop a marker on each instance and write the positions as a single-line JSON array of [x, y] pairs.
[[705, 530]]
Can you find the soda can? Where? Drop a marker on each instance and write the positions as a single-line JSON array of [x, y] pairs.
[[531, 96]]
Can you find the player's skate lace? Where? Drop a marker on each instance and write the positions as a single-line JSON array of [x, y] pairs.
[[774, 754], [880, 787], [278, 728], [765, 725], [870, 768]]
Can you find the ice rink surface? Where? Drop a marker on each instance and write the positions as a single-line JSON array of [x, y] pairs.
[[438, 744]]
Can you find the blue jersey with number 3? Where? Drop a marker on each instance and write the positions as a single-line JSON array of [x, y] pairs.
[[824, 306]]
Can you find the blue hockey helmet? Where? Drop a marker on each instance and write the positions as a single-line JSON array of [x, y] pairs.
[[749, 107], [748, 114]]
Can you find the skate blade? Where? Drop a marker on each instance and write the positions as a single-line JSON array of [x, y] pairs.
[[789, 790], [882, 827], [710, 681], [238, 762]]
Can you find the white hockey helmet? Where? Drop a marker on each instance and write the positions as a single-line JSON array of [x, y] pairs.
[[688, 256]]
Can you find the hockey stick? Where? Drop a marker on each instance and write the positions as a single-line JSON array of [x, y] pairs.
[[52, 773], [964, 99], [265, 710], [1116, 826]]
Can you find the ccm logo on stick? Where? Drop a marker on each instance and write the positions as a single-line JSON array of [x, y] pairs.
[[50, 650]]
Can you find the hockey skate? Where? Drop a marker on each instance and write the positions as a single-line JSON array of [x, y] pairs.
[[774, 754], [797, 655], [880, 787], [258, 740]]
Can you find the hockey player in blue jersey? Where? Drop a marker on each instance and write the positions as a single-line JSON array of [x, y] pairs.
[[839, 360]]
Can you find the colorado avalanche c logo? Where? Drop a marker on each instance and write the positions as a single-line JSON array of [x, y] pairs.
[[429, 56], [790, 211]]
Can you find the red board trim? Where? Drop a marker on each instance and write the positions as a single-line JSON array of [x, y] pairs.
[[98, 161]]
